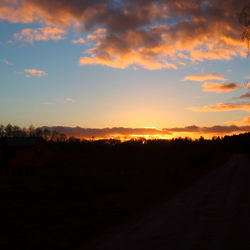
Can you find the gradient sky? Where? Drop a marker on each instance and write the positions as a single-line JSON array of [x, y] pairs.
[[136, 64]]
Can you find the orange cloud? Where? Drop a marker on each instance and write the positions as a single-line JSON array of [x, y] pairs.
[[34, 73], [97, 34], [123, 60], [50, 12], [40, 34], [152, 34], [201, 78], [150, 133], [220, 87], [223, 107], [78, 41], [245, 121], [109, 132]]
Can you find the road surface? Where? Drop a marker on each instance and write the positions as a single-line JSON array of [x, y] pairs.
[[212, 214]]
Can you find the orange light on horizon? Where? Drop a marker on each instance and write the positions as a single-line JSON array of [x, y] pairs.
[[191, 135]]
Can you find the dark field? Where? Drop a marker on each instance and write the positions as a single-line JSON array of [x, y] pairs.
[[87, 190]]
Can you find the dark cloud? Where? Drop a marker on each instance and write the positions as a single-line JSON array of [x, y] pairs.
[[121, 132], [153, 34], [246, 95], [107, 132], [220, 87], [211, 130]]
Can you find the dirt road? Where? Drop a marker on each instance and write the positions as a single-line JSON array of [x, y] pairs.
[[212, 214]]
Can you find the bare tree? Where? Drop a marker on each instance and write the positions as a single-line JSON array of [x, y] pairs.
[[17, 132], [31, 131], [46, 134], [2, 130], [9, 130]]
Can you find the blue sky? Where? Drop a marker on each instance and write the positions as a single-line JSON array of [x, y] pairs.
[[44, 82]]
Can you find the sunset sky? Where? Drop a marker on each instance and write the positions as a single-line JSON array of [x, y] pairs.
[[165, 65]]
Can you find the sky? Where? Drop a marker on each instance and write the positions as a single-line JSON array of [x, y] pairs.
[[163, 67]]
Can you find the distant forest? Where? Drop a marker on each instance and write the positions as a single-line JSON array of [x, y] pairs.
[[50, 135]]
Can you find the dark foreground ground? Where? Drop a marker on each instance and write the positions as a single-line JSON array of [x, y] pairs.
[[214, 213], [68, 213], [160, 195], [78, 213]]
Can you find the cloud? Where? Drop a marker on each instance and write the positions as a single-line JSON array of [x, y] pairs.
[[108, 132], [7, 62], [210, 130], [245, 121], [40, 34], [223, 107], [121, 132], [153, 34], [70, 100], [10, 42], [246, 95], [78, 41], [34, 73], [220, 87], [201, 78]]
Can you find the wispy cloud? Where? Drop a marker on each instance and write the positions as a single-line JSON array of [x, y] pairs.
[[209, 130], [40, 34], [223, 107], [152, 34], [201, 78], [121, 132], [220, 87], [245, 121], [109, 132], [78, 41], [7, 62], [69, 100], [34, 73], [10, 42], [245, 96]]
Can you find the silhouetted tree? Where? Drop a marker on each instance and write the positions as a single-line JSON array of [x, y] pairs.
[[18, 132], [9, 130], [38, 132], [54, 136], [31, 131], [62, 138], [2, 130], [73, 139], [46, 134]]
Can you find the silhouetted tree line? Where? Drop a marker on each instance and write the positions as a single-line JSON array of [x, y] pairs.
[[233, 142], [11, 131]]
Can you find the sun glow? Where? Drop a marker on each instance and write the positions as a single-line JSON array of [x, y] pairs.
[[152, 137]]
